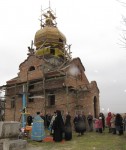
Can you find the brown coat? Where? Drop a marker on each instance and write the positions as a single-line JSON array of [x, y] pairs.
[[112, 122]]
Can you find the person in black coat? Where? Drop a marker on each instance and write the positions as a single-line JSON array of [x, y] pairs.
[[119, 123], [103, 120], [58, 127], [48, 119], [80, 125], [68, 128], [29, 120], [75, 121]]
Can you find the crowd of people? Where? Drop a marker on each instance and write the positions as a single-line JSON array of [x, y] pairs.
[[61, 127], [116, 123]]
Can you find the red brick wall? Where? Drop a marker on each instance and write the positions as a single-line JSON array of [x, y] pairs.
[[72, 101]]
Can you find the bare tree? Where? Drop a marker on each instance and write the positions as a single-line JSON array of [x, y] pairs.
[[123, 29]]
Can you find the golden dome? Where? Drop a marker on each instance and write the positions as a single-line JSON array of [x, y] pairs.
[[49, 35]]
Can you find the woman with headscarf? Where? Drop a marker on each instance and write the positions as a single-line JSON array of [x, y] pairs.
[[124, 122], [68, 127], [51, 124], [90, 121], [119, 124], [29, 120], [113, 127], [108, 123], [58, 127], [75, 122], [103, 120], [80, 126]]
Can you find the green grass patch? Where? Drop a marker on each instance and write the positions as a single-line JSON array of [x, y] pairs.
[[89, 141]]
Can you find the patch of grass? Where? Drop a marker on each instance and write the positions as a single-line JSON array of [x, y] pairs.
[[89, 141]]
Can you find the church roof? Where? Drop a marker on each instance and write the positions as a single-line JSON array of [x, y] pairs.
[[49, 33]]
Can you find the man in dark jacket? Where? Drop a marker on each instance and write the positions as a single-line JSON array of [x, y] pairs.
[[90, 121]]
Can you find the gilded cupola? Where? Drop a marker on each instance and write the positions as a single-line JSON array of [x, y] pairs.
[[49, 40]]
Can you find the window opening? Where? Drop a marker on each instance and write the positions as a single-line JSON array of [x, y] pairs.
[[12, 103], [52, 51], [31, 87], [31, 68], [51, 100]]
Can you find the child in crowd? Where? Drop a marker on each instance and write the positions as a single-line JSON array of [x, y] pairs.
[[96, 124], [100, 124]]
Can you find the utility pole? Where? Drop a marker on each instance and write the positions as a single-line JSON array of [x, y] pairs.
[[14, 99], [27, 86], [24, 106], [67, 98], [14, 103], [44, 92], [76, 91]]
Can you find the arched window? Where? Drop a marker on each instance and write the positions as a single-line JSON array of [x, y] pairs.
[[32, 68]]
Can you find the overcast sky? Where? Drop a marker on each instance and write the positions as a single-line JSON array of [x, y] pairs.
[[93, 27]]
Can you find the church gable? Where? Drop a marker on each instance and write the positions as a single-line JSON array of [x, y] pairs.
[[30, 69], [78, 70], [94, 87]]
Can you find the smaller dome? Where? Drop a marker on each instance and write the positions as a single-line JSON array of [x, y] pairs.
[[49, 22], [49, 35]]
